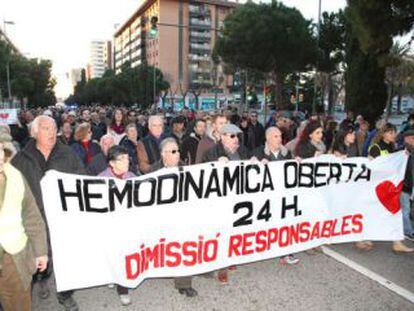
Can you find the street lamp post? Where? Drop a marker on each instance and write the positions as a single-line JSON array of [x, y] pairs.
[[8, 61]]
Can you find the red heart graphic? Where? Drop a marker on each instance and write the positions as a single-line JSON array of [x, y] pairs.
[[389, 195], [4, 115]]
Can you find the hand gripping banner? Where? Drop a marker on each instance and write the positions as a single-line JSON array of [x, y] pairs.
[[191, 220]]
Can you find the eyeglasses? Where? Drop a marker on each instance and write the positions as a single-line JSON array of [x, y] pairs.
[[174, 151], [232, 136]]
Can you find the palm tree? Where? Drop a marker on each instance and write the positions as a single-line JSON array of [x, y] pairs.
[[399, 73]]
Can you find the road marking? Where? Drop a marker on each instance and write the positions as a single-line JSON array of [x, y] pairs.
[[370, 274]]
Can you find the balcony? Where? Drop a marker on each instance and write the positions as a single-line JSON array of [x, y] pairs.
[[199, 58], [200, 23], [200, 47], [199, 70], [198, 11], [200, 82], [196, 36]]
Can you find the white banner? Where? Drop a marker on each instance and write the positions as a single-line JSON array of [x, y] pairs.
[[181, 222], [9, 116]]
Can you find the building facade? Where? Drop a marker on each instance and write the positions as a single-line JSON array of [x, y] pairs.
[[182, 48], [75, 76], [100, 58]]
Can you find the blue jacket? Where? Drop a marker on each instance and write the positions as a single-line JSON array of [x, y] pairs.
[[78, 148]]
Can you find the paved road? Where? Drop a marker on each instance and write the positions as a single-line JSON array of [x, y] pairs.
[[317, 283]]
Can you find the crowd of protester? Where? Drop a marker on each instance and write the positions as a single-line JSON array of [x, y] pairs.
[[123, 143]]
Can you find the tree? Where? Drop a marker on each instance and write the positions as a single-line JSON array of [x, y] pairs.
[[332, 53], [130, 86], [399, 72], [371, 26], [270, 38], [30, 79]]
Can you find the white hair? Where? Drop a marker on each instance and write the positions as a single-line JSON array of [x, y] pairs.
[[167, 141], [104, 137], [34, 126], [271, 129], [155, 118]]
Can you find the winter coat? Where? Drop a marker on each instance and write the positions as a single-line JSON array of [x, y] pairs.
[[61, 159], [305, 150], [205, 144], [97, 164], [260, 153], [258, 137], [218, 151], [80, 150], [98, 130], [132, 153], [189, 148], [148, 150]]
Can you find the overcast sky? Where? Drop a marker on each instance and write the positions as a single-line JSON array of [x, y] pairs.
[[61, 30]]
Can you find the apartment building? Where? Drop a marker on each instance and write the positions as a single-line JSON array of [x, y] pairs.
[[182, 48], [100, 58]]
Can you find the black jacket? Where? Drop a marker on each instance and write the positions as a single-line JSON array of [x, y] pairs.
[[132, 153], [98, 130], [260, 154], [305, 150], [189, 148], [218, 151], [62, 159], [80, 150], [258, 137], [98, 164]]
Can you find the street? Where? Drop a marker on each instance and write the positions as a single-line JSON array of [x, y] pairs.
[[318, 282]]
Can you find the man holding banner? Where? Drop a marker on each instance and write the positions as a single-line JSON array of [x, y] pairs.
[[273, 150], [170, 157], [227, 149]]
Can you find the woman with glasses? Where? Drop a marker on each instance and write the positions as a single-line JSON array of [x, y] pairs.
[[170, 157], [118, 167]]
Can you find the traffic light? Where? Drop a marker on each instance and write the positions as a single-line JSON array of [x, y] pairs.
[[301, 98], [249, 96], [292, 99], [154, 26]]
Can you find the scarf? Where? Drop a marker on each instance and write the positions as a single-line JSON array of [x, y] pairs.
[[86, 145], [119, 129]]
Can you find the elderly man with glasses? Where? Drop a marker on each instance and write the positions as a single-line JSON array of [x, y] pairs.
[[227, 149], [170, 157]]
